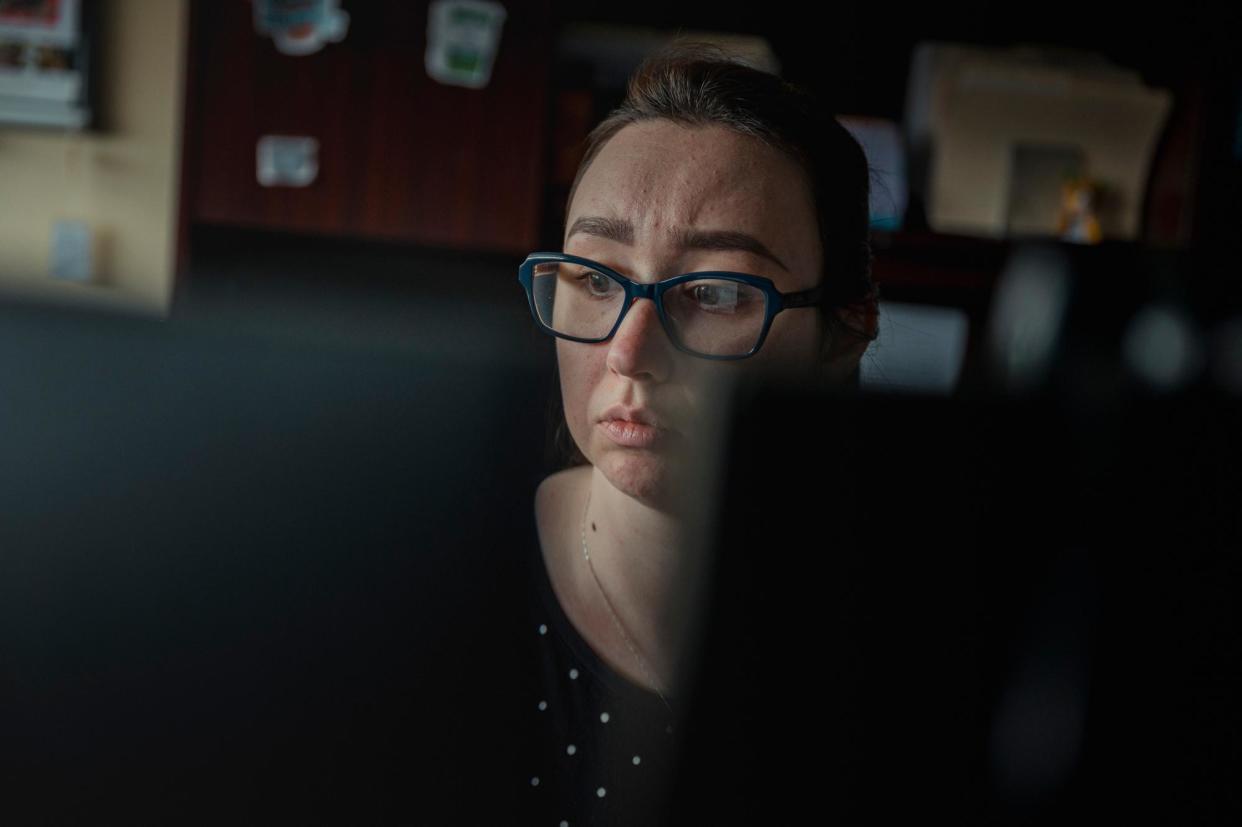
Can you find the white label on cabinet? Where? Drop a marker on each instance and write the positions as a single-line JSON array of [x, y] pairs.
[[73, 246], [287, 161], [462, 39]]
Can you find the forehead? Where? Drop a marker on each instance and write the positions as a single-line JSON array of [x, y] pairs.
[[664, 178]]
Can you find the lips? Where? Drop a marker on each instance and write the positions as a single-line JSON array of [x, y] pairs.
[[639, 416], [632, 434], [634, 427]]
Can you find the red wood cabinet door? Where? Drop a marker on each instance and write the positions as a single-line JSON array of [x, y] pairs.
[[401, 156]]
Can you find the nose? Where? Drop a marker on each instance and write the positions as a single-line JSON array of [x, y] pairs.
[[641, 347]]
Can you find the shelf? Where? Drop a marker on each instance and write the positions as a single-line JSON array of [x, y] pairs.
[[926, 260], [953, 265]]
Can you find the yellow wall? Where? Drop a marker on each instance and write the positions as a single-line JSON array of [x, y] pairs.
[[121, 177]]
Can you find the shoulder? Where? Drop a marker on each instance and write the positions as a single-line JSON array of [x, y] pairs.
[[554, 499], [558, 503]]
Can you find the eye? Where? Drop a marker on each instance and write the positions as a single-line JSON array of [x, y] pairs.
[[719, 296], [712, 295], [597, 284]]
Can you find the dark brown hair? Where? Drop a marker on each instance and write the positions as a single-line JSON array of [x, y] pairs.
[[700, 84]]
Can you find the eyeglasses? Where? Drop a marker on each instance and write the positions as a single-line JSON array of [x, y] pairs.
[[712, 315]]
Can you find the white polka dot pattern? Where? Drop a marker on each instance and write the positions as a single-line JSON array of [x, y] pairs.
[[598, 753]]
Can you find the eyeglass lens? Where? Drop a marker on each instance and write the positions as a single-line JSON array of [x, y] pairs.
[[710, 316]]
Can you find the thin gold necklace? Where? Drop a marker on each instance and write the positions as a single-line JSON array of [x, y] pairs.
[[617, 621]]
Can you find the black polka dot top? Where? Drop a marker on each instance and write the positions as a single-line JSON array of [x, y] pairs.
[[602, 747]]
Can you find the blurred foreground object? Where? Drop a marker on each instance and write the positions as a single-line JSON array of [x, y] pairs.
[[244, 572], [1018, 610]]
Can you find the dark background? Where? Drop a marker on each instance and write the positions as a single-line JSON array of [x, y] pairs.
[[387, 220]]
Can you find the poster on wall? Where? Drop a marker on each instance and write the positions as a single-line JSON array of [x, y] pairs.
[[43, 64]]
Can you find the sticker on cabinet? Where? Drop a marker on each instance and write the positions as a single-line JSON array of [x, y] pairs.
[[463, 37]]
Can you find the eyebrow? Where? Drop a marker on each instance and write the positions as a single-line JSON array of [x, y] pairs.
[[622, 232]]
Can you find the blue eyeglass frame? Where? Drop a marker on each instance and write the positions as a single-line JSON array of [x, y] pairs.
[[774, 300]]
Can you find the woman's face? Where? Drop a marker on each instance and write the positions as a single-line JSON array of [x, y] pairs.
[[659, 200]]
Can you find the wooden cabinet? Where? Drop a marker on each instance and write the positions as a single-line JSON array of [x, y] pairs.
[[401, 156]]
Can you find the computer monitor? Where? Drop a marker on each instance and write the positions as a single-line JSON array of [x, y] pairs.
[[244, 564], [1001, 610]]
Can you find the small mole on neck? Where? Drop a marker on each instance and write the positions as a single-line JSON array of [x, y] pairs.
[[592, 525]]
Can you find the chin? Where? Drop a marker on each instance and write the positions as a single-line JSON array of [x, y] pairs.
[[655, 480]]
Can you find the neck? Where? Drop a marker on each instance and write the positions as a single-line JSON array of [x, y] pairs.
[[643, 558]]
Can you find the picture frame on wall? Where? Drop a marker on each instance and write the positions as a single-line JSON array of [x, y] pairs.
[[44, 64]]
